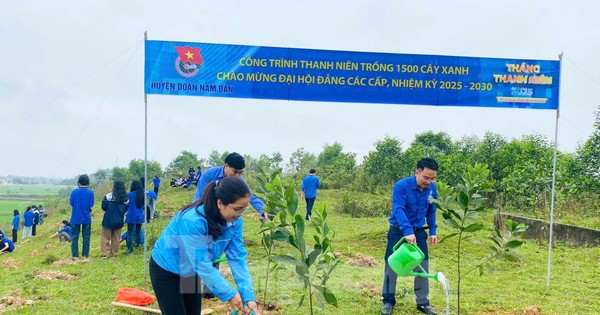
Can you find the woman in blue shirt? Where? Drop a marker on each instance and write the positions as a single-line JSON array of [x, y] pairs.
[[135, 215], [15, 224], [197, 235]]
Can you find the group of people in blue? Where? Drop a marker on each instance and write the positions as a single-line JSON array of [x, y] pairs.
[[185, 255], [120, 207], [189, 181], [32, 217]]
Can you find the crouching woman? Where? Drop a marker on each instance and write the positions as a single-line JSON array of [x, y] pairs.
[[197, 235]]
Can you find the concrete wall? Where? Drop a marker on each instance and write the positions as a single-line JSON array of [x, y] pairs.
[[562, 233]]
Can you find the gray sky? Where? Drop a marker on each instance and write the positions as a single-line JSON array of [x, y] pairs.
[[71, 76]]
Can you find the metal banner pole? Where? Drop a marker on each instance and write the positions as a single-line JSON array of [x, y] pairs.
[[145, 179], [554, 178]]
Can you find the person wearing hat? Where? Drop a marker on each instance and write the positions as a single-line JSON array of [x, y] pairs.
[[234, 166]]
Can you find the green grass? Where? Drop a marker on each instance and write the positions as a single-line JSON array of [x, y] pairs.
[[36, 190], [508, 290], [8, 205]]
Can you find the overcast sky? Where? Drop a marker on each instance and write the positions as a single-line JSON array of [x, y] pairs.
[[72, 72]]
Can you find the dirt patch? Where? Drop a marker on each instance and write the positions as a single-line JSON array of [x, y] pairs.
[[47, 246], [53, 275], [370, 289], [70, 261], [12, 302], [339, 255], [35, 252], [362, 260], [12, 264], [221, 308], [532, 310]]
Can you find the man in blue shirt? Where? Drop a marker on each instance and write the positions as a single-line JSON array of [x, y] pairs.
[[156, 184], [411, 206], [310, 184], [82, 201], [234, 166]]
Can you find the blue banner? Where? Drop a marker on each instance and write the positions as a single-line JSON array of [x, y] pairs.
[[200, 69]]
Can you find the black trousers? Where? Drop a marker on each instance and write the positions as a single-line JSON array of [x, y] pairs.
[[176, 295], [14, 235]]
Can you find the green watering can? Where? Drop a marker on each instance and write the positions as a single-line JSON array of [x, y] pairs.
[[406, 257]]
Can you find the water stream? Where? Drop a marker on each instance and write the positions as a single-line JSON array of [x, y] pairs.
[[447, 290]]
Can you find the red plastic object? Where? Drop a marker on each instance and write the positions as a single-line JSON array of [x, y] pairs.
[[134, 297]]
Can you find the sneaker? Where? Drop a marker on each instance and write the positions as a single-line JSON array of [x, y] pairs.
[[426, 309], [387, 309], [103, 257]]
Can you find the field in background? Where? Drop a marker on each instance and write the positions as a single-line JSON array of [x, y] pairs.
[[20, 196]]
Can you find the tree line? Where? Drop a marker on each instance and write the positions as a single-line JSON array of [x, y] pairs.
[[520, 169]]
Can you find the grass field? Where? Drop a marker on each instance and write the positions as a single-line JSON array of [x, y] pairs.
[[35, 190], [20, 196], [513, 286], [8, 205]]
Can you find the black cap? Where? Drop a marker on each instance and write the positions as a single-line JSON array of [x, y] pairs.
[[236, 161]]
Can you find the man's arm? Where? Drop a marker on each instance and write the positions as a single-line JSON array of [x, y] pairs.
[[430, 215], [202, 182], [399, 199]]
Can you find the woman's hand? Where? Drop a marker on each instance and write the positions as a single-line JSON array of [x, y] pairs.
[[236, 302], [252, 306]]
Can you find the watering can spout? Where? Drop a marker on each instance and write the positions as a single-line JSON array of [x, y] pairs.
[[406, 258], [427, 275]]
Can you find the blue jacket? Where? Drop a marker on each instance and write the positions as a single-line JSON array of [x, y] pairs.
[[28, 218], [310, 184], [215, 173], [134, 215], [156, 182], [185, 248], [113, 212], [16, 221], [67, 229], [82, 201], [411, 207], [11, 245]]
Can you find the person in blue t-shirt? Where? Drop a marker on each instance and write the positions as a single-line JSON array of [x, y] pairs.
[[197, 176], [234, 166], [82, 201], [135, 215], [197, 235], [156, 184], [412, 207], [310, 184], [28, 218], [6, 246], [15, 224], [64, 233]]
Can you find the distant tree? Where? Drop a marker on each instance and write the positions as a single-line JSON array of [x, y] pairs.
[[336, 167], [385, 164], [589, 153], [120, 173], [136, 168], [215, 158], [301, 161], [100, 176], [487, 153], [181, 164]]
